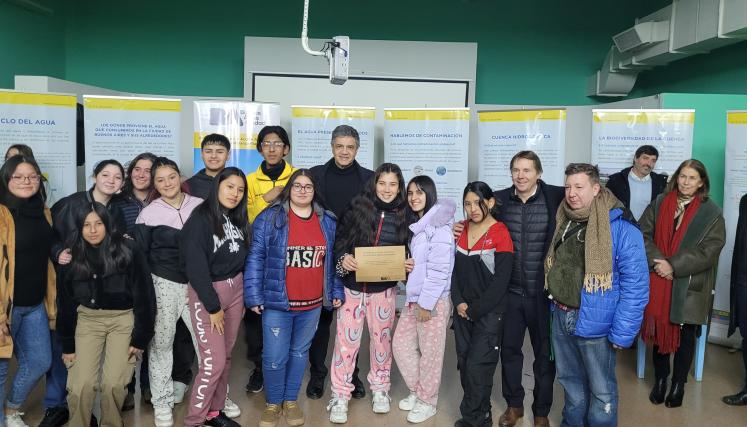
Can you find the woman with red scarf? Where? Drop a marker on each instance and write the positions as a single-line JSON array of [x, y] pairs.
[[684, 232]]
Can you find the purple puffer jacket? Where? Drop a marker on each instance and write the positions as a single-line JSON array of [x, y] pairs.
[[432, 248]]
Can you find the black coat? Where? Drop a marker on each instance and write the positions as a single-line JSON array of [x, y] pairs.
[[523, 221], [737, 311], [319, 173], [620, 187]]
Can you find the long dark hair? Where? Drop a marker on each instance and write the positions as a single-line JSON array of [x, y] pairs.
[[128, 187], [214, 211], [425, 184], [357, 226], [6, 173], [485, 193], [115, 256], [699, 167]]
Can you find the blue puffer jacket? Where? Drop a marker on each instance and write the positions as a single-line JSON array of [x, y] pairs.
[[617, 313], [264, 273]]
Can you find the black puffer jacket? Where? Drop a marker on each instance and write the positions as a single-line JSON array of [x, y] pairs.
[[531, 226], [387, 237]]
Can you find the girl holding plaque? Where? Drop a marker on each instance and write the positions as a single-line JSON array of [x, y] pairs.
[[377, 217]]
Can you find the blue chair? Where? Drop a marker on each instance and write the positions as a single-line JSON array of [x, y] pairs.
[[699, 355]]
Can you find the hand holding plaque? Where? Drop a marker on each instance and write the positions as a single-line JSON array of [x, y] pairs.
[[380, 263]]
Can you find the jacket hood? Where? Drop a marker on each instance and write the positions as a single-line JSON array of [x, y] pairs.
[[202, 176], [442, 213]]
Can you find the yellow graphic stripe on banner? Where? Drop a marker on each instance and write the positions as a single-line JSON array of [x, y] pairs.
[[644, 117], [37, 99], [243, 142], [426, 115], [332, 113], [133, 104], [520, 116], [737, 118]]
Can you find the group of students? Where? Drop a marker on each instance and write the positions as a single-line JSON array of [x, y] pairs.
[[116, 268]]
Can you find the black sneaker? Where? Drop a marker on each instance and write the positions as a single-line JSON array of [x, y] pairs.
[[129, 402], [256, 382], [55, 417], [94, 421], [221, 421], [359, 392], [315, 388]]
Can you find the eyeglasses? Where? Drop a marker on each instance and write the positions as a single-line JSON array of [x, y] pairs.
[[272, 144], [298, 188], [21, 178]]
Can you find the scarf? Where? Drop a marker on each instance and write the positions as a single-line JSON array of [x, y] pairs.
[[273, 172], [598, 243], [669, 229]]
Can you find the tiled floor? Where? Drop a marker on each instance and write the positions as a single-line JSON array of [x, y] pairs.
[[702, 406]]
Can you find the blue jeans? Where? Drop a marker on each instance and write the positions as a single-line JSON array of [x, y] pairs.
[[586, 370], [287, 337], [55, 394], [32, 350]]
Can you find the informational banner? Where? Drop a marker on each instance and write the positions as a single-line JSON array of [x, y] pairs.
[[433, 142], [312, 130], [501, 134], [735, 186], [616, 134], [120, 128], [240, 122], [47, 124]]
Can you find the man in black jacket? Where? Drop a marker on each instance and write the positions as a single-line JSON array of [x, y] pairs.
[[337, 181], [636, 186], [528, 209], [215, 151], [738, 297]]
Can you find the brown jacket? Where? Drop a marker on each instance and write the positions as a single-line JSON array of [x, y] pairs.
[[694, 263], [8, 265]]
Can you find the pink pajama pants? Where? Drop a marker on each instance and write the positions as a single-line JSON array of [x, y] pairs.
[[419, 349], [379, 309]]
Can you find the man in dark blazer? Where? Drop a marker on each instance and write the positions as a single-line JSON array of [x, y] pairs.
[[637, 186], [337, 181]]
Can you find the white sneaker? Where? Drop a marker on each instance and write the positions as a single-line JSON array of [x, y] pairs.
[[231, 409], [180, 389], [338, 410], [421, 412], [381, 402], [408, 402], [15, 420], [163, 416]]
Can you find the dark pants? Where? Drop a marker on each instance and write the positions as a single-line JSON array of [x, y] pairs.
[[319, 345], [184, 354], [253, 332], [144, 378], [741, 296], [478, 351], [683, 357], [527, 313]]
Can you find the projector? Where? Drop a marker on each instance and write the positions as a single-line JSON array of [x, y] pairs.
[[339, 57]]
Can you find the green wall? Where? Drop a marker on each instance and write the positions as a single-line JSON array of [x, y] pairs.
[[709, 139], [530, 52], [31, 43]]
